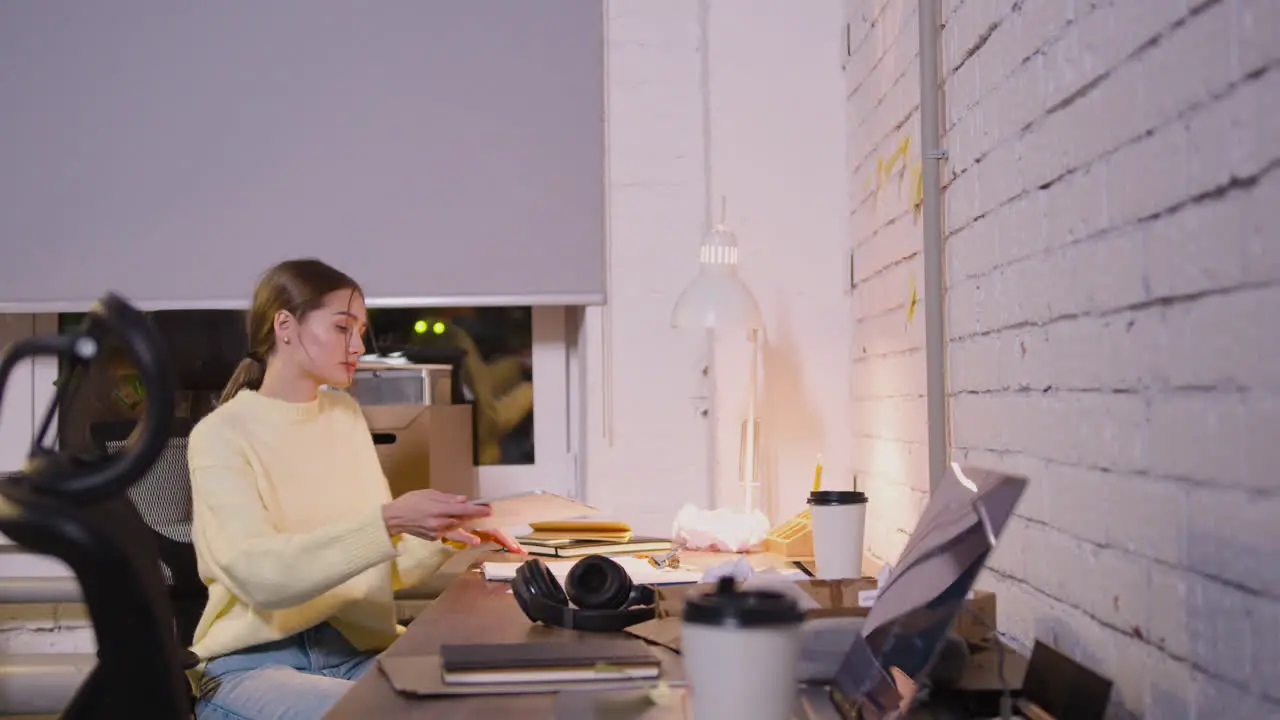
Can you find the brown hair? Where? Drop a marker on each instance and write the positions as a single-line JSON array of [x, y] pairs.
[[295, 286]]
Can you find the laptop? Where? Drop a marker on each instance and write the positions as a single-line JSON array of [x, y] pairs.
[[904, 630]]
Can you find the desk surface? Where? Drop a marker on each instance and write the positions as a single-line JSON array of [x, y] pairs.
[[470, 610]]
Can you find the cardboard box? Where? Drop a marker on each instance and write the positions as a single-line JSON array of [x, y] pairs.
[[424, 446], [837, 598]]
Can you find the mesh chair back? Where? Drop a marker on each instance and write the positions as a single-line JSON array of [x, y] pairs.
[[163, 496]]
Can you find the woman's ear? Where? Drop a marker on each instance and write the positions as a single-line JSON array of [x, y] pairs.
[[284, 326]]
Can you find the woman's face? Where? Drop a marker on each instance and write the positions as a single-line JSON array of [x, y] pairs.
[[329, 340]]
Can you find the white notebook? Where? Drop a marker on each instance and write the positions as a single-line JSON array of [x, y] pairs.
[[641, 572]]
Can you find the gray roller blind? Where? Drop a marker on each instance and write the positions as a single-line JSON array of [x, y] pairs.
[[447, 150]]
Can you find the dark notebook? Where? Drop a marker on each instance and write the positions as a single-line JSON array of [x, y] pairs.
[[548, 661]]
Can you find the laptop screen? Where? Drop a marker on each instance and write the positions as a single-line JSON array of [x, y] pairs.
[[927, 590]]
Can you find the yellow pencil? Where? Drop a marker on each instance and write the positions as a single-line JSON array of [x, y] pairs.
[[817, 474]]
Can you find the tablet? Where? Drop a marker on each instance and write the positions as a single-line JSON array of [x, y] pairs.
[[526, 508]]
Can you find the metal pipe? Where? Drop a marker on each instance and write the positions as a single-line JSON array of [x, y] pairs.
[[935, 343], [39, 590]]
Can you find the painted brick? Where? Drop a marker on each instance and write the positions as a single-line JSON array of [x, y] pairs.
[[1255, 33], [899, 375], [1134, 24], [1264, 635], [1149, 517], [1064, 62], [1109, 267], [1185, 252], [1037, 25], [1189, 65], [1231, 535], [1148, 681], [1046, 149], [1257, 239], [1208, 343], [1214, 698], [1149, 175], [1215, 438], [1220, 628], [1167, 627], [887, 331]]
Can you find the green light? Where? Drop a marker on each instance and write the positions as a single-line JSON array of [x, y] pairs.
[[438, 328], [420, 326]]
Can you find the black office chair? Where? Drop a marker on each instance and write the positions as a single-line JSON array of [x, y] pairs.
[[77, 509], [163, 500]]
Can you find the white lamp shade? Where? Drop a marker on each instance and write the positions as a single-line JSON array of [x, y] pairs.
[[717, 298]]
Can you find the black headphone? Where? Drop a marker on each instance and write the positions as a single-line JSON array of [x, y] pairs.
[[603, 596]]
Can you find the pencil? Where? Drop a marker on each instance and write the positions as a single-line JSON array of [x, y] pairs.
[[817, 474]]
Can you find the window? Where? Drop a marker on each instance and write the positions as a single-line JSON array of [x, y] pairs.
[[516, 371]]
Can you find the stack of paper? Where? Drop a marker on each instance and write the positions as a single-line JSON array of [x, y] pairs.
[[641, 572]]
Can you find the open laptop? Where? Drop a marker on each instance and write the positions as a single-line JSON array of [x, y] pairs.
[[922, 599]]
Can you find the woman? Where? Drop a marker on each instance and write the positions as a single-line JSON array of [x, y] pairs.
[[295, 530]]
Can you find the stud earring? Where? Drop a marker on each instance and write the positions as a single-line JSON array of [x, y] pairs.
[[286, 341]]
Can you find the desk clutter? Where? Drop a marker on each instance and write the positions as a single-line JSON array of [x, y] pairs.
[[738, 636]]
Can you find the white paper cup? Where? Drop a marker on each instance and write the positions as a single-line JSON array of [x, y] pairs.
[[839, 526], [741, 651]]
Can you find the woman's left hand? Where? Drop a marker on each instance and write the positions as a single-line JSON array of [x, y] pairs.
[[475, 537]]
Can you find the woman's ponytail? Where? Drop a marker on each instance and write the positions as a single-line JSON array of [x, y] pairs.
[[248, 374]]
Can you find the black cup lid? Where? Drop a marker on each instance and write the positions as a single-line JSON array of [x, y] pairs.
[[837, 497], [730, 607]]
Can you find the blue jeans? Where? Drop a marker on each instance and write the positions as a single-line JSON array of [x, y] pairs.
[[298, 678]]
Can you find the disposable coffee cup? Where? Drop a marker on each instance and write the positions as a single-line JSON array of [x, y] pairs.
[[839, 526], [741, 649]]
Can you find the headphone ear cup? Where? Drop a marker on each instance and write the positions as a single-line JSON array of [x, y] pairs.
[[545, 582], [598, 583], [534, 578]]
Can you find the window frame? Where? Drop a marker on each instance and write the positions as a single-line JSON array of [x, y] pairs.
[[557, 402], [554, 440], [557, 423]]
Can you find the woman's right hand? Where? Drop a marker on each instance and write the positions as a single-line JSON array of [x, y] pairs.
[[429, 514]]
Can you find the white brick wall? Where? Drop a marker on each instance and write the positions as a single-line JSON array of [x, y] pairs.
[[1111, 289], [889, 417]]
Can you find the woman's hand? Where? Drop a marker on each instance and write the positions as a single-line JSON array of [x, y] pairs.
[[430, 514], [475, 537]]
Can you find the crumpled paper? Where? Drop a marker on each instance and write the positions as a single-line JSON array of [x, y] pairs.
[[721, 530], [748, 578]]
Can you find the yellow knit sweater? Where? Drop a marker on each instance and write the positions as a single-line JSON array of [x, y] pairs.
[[288, 529]]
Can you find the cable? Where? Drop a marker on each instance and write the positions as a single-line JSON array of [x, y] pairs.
[[1006, 692]]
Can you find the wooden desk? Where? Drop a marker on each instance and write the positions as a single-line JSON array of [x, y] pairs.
[[471, 611]]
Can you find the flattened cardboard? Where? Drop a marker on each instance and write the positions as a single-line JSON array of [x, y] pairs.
[[659, 631], [424, 446], [421, 675], [837, 598]]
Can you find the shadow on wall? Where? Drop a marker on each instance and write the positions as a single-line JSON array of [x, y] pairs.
[[1230, 630], [1229, 639], [789, 420]]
